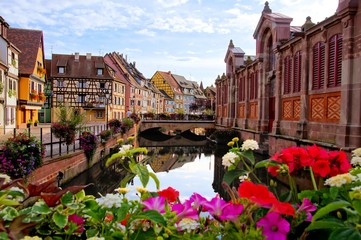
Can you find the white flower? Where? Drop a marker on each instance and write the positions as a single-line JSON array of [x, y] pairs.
[[125, 148], [357, 152], [249, 144], [243, 177], [339, 180], [228, 159], [6, 178], [356, 160], [358, 188], [122, 190], [188, 224], [141, 189], [110, 200]]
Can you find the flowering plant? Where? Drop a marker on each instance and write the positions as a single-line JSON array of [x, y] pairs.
[[105, 134], [33, 94], [64, 131], [115, 125], [21, 155], [254, 211], [88, 144]]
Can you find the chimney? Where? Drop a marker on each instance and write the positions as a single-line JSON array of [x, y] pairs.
[[134, 64], [88, 56], [76, 57]]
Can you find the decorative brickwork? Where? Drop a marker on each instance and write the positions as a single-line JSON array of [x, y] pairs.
[[241, 113], [325, 107], [291, 108], [253, 110]]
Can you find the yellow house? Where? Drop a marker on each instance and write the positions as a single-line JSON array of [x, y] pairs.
[[32, 73]]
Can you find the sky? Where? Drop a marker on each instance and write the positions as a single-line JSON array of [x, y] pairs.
[[187, 37]]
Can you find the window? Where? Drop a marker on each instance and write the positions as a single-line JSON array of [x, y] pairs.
[[60, 98], [287, 75], [115, 87], [99, 114], [99, 71], [40, 87], [297, 72], [253, 86], [82, 84], [102, 85], [32, 85], [60, 83], [241, 89], [318, 63], [334, 61], [123, 89], [81, 98], [61, 70]]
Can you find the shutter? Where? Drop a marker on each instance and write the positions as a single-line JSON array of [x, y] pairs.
[[315, 68], [240, 89], [339, 60], [297, 72], [322, 65], [256, 85], [331, 62]]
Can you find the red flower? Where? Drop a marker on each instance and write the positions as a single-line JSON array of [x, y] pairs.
[[283, 208], [108, 218], [124, 221], [317, 153], [170, 194], [321, 168], [79, 221], [256, 192], [338, 162]]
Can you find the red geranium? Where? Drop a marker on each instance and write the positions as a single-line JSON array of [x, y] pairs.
[[339, 163], [256, 193], [170, 194], [321, 168], [283, 208]]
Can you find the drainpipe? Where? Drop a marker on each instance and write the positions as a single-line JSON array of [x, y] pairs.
[[5, 98]]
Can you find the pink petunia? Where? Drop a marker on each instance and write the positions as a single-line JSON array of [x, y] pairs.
[[274, 227], [155, 203]]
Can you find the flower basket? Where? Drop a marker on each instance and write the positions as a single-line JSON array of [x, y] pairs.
[[33, 95], [64, 131], [42, 96], [88, 144]]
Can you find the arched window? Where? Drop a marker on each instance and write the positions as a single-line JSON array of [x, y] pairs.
[[287, 63], [318, 62], [297, 72], [334, 61]]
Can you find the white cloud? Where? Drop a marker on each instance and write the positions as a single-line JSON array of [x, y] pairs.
[[146, 32], [171, 3]]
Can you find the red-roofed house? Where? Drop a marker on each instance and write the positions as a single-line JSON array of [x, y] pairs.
[[31, 73]]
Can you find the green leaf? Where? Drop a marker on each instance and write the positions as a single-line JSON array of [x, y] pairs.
[[345, 233], [80, 195], [329, 208], [4, 236], [126, 179], [60, 220], [67, 198], [325, 224], [151, 215], [115, 156], [261, 164], [357, 205], [333, 192], [41, 208], [233, 174], [156, 180], [9, 213], [8, 202], [142, 172], [122, 211], [248, 155]]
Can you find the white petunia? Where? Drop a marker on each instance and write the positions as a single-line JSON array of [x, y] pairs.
[[356, 161], [249, 144], [339, 180], [228, 159], [357, 152], [188, 224]]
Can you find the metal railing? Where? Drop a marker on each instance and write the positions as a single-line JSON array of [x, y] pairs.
[[56, 146]]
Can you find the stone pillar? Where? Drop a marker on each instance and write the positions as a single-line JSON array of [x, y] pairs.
[[278, 92], [349, 129]]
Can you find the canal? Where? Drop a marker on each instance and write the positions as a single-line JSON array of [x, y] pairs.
[[188, 164]]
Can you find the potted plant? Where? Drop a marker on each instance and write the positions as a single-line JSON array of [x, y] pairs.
[[33, 94], [29, 123], [36, 123]]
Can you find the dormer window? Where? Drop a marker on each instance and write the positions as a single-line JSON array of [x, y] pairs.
[[99, 71], [61, 70]]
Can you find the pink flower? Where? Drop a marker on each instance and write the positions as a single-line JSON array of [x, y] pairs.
[[155, 203], [222, 210], [274, 227], [307, 207], [79, 221], [196, 200], [185, 211]]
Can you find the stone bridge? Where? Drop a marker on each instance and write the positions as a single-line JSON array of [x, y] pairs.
[[175, 125]]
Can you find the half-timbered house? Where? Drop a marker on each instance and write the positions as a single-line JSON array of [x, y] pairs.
[[303, 86], [81, 82]]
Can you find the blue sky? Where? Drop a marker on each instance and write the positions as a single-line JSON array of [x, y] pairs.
[[186, 37]]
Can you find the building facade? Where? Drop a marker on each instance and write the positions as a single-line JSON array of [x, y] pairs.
[[303, 86]]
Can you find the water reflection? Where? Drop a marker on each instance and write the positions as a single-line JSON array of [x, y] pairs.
[[191, 166]]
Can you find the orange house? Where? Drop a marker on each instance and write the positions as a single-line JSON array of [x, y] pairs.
[[32, 73]]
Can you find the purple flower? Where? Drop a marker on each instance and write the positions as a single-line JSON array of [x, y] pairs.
[[155, 203], [274, 226], [185, 211], [307, 207], [196, 200], [222, 210]]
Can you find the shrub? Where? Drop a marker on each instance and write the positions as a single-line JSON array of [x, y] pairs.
[[105, 134], [115, 125], [21, 155]]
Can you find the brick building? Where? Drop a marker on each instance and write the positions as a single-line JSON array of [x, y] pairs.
[[303, 85]]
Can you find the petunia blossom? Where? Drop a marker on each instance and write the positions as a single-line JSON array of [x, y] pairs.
[[307, 207], [274, 227], [196, 200], [222, 210], [170, 194], [185, 211], [155, 203], [256, 193]]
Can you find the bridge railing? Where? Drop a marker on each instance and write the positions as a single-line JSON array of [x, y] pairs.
[[176, 116]]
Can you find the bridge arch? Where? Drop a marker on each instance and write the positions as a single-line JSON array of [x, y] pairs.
[[175, 125]]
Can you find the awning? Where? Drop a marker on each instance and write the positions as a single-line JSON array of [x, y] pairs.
[[30, 107]]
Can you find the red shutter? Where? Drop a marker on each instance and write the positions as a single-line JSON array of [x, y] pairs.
[[240, 89], [315, 67], [339, 60], [297, 72], [318, 72], [322, 65], [331, 62], [287, 75], [256, 86]]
